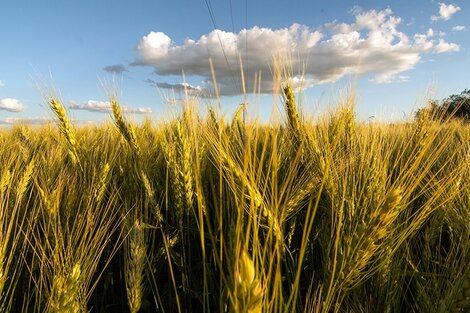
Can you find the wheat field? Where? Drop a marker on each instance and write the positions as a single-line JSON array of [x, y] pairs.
[[208, 214]]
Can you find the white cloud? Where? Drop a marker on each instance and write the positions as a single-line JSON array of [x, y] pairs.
[[2, 84], [431, 33], [459, 28], [189, 91], [179, 87], [372, 44], [38, 120], [403, 78], [443, 46], [356, 9], [154, 45], [411, 22], [105, 107], [445, 12], [390, 79], [12, 105], [26, 120]]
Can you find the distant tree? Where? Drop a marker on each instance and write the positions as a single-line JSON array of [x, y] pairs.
[[458, 105], [454, 106], [433, 111]]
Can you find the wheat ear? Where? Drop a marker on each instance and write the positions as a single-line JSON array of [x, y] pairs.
[[124, 127], [292, 115], [248, 289], [25, 180], [364, 244], [135, 266], [66, 294], [183, 153], [241, 178], [66, 129], [102, 183], [5, 180]]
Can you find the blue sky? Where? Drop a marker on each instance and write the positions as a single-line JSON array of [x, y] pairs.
[[395, 53]]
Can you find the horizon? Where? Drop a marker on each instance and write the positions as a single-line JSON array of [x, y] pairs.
[[394, 56]]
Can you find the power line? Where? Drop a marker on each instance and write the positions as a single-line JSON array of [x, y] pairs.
[[211, 13], [246, 28]]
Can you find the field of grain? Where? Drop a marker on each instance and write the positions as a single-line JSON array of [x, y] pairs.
[[205, 214]]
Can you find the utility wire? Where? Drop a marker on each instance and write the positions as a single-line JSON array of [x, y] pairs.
[[246, 51], [246, 28], [211, 13]]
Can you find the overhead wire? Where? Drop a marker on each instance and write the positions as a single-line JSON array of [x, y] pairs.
[[246, 28], [214, 24]]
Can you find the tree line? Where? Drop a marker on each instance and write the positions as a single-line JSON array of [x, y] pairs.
[[456, 106]]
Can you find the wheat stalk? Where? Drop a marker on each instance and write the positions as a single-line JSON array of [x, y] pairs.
[[25, 180], [5, 180], [172, 165], [241, 178], [237, 126], [170, 244], [299, 195], [51, 208], [3, 274], [124, 127], [238, 115], [147, 185], [26, 145], [102, 183], [248, 289], [213, 118], [66, 292], [183, 154], [292, 115], [66, 129], [363, 246], [135, 263], [178, 160]]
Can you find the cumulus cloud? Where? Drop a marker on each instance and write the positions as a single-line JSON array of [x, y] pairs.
[[356, 9], [443, 46], [105, 107], [411, 22], [445, 12], [25, 120], [459, 28], [431, 33], [190, 90], [2, 84], [39, 120], [12, 105], [115, 69], [402, 78], [178, 87], [373, 44]]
